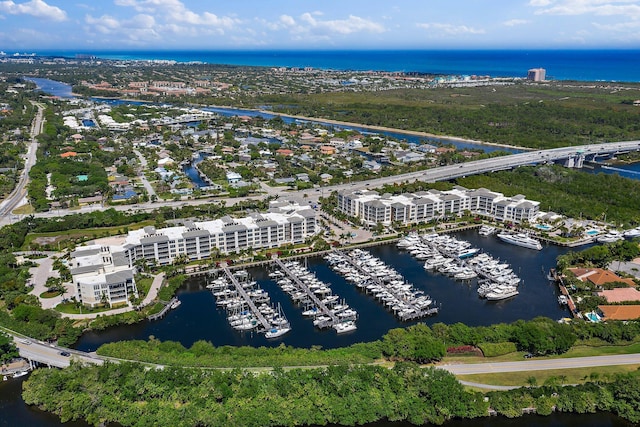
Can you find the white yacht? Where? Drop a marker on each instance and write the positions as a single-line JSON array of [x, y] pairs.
[[502, 293], [486, 230], [610, 237], [343, 327], [276, 332], [520, 239], [633, 233]]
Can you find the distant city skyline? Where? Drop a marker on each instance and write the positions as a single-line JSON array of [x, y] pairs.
[[294, 24]]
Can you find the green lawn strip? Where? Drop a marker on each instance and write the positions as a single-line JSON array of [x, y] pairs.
[[23, 210], [71, 308], [85, 234], [576, 351], [511, 357], [583, 350], [560, 376], [144, 284]]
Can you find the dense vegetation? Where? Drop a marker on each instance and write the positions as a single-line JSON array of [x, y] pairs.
[[129, 394], [8, 350], [572, 193], [417, 343], [536, 116]]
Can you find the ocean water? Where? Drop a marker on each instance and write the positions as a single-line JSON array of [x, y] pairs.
[[582, 65]]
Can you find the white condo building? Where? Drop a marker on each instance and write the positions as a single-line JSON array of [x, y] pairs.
[[102, 275], [284, 223], [97, 270], [414, 208]]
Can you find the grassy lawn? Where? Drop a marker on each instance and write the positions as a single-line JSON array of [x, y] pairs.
[[24, 210], [144, 284], [583, 350], [511, 357], [70, 308], [566, 376], [79, 235], [576, 351]]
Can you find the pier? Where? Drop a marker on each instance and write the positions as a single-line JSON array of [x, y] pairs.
[[164, 310], [407, 309], [323, 309], [247, 299]]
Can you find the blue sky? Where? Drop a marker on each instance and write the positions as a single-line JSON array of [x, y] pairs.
[[314, 24]]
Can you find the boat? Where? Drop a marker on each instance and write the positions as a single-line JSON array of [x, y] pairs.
[[276, 332], [466, 253], [633, 233], [520, 239], [498, 295], [563, 300], [486, 230], [610, 237], [176, 304], [20, 374], [344, 327]]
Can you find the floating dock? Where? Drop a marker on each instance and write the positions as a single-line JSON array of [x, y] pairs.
[[323, 309]]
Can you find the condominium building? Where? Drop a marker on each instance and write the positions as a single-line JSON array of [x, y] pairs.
[[102, 275], [284, 223], [414, 208]]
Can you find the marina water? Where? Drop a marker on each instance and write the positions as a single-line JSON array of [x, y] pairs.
[[198, 318]]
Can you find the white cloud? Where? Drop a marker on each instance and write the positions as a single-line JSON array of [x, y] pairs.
[[515, 22], [620, 27], [627, 8], [37, 8], [139, 29], [287, 20], [353, 24], [450, 29], [175, 12]]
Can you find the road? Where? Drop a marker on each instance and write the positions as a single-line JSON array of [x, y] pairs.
[[18, 194], [542, 364], [51, 354], [143, 167]]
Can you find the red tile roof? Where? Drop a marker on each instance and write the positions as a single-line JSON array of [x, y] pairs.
[[620, 312], [620, 295]]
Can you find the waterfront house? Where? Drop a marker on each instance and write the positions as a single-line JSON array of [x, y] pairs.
[[620, 312], [599, 277]]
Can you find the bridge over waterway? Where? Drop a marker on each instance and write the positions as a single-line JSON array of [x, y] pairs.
[[570, 156]]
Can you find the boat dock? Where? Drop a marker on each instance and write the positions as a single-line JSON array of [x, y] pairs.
[[264, 323], [164, 310], [321, 306], [400, 299]]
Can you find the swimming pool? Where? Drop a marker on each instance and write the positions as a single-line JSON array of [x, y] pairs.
[[592, 232], [593, 317], [544, 227]]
